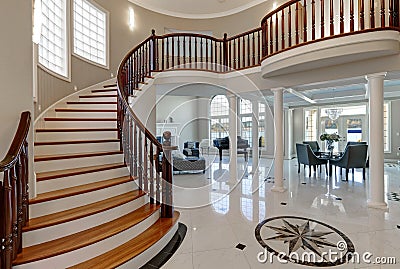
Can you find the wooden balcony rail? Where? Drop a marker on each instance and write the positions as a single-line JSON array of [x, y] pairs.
[[14, 196], [295, 23], [300, 22]]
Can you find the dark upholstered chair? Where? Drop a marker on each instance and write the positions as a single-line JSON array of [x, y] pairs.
[[314, 146], [354, 156], [191, 149], [307, 157]]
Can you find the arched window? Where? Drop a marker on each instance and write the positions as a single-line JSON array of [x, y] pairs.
[[219, 116]]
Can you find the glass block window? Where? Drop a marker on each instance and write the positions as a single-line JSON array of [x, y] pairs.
[[53, 49], [90, 32]]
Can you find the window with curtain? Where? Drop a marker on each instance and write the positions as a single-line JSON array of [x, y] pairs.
[[90, 32], [53, 45]]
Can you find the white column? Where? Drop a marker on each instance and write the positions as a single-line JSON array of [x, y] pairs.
[[233, 100], [376, 141], [278, 122], [238, 120], [254, 132]]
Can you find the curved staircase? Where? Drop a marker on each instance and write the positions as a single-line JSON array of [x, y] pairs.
[[89, 211]]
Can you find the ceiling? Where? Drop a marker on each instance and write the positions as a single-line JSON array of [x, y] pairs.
[[196, 9]]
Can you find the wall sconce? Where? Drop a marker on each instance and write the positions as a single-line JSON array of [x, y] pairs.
[[274, 6], [131, 18]]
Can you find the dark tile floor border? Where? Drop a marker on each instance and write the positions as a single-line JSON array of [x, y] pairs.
[[166, 253]]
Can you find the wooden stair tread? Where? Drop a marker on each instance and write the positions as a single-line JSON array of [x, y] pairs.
[[76, 130], [76, 171], [78, 119], [42, 158], [98, 95], [76, 190], [84, 110], [82, 211], [48, 143], [90, 103], [84, 238], [132, 248], [105, 90]]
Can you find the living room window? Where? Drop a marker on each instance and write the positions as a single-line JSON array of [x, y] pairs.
[[219, 111], [53, 45], [90, 32], [386, 127], [310, 120], [246, 119]]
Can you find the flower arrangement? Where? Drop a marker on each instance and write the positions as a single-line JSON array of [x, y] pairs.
[[330, 137]]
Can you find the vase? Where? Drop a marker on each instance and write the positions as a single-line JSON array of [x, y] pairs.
[[330, 146]]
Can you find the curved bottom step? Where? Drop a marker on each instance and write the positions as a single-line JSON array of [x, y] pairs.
[[169, 250], [138, 251]]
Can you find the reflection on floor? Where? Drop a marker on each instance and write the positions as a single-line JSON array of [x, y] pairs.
[[222, 213]]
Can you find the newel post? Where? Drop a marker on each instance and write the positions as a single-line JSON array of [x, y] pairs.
[[154, 65], [167, 209], [225, 51]]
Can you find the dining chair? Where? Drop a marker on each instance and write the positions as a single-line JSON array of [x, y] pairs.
[[354, 156], [306, 156], [314, 146]]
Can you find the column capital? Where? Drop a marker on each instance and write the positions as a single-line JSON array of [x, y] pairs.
[[279, 89], [375, 75]]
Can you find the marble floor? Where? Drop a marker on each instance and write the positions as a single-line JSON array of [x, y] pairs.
[[222, 214]]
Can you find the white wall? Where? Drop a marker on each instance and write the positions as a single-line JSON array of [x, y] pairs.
[[183, 110]]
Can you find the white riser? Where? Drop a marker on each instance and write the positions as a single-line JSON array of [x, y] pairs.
[[108, 115], [99, 99], [67, 182], [86, 253], [147, 255], [91, 106], [53, 232], [76, 148], [74, 136], [81, 124], [40, 209], [54, 165]]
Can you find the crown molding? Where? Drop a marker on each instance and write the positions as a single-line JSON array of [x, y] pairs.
[[200, 15]]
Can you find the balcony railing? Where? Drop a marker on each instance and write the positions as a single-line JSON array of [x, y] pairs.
[[301, 22]]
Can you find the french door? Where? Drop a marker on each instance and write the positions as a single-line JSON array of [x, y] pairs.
[[350, 128]]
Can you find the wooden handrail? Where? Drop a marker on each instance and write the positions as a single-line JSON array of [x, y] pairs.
[[14, 197]]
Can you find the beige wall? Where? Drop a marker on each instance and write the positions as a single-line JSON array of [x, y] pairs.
[[122, 39], [15, 68]]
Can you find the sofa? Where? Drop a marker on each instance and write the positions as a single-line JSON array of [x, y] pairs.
[[184, 163]]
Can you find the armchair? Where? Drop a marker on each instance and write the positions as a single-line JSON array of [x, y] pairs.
[[306, 156], [355, 156], [191, 149]]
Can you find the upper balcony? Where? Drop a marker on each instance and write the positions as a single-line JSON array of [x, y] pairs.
[[309, 34]]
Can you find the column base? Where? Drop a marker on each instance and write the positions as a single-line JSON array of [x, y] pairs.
[[278, 189], [378, 205]]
